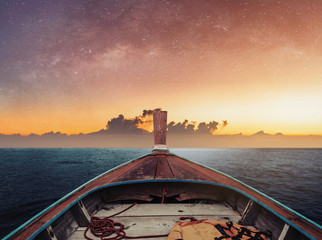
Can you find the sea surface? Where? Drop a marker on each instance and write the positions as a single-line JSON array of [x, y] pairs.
[[32, 179]]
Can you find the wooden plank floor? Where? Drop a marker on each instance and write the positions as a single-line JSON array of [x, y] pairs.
[[152, 219]]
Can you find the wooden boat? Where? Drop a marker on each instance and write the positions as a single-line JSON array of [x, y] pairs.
[[165, 188]]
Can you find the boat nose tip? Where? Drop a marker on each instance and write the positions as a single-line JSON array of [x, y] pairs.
[[160, 147]]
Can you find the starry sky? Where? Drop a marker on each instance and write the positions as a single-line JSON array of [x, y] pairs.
[[71, 66]]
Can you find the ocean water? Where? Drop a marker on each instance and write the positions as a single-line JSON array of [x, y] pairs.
[[32, 179]]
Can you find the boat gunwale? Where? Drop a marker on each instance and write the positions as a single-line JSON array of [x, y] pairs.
[[45, 225]]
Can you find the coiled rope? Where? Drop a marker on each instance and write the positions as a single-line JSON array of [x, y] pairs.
[[107, 229]]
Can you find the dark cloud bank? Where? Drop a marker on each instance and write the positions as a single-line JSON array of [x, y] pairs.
[[126, 132], [122, 125]]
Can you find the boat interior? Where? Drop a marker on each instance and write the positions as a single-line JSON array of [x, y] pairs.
[[159, 205], [149, 195]]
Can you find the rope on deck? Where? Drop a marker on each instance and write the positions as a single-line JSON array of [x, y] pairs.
[[107, 229]]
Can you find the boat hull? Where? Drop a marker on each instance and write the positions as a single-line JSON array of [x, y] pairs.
[[162, 175]]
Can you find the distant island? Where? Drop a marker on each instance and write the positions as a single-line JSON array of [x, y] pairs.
[[103, 139]]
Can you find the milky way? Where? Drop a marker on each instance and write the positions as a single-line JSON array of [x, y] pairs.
[[69, 55]]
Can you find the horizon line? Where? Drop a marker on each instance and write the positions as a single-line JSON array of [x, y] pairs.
[[258, 133]]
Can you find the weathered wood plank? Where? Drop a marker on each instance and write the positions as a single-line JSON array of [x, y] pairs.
[[92, 203], [160, 127], [28, 231], [156, 210], [179, 191], [246, 210], [50, 233], [138, 226], [64, 226], [80, 214], [265, 220], [163, 169], [143, 170], [134, 228], [284, 232], [152, 219], [182, 170]]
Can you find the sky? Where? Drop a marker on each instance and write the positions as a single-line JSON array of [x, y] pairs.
[[73, 66]]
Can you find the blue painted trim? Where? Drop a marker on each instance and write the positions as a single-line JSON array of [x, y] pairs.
[[66, 196]]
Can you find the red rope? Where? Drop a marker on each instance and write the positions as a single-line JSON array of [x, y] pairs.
[[105, 228], [163, 196]]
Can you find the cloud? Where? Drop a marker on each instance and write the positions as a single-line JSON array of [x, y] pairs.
[[51, 133], [143, 124], [207, 128], [181, 127], [136, 125], [260, 133], [140, 124], [190, 128], [121, 125], [149, 112]]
